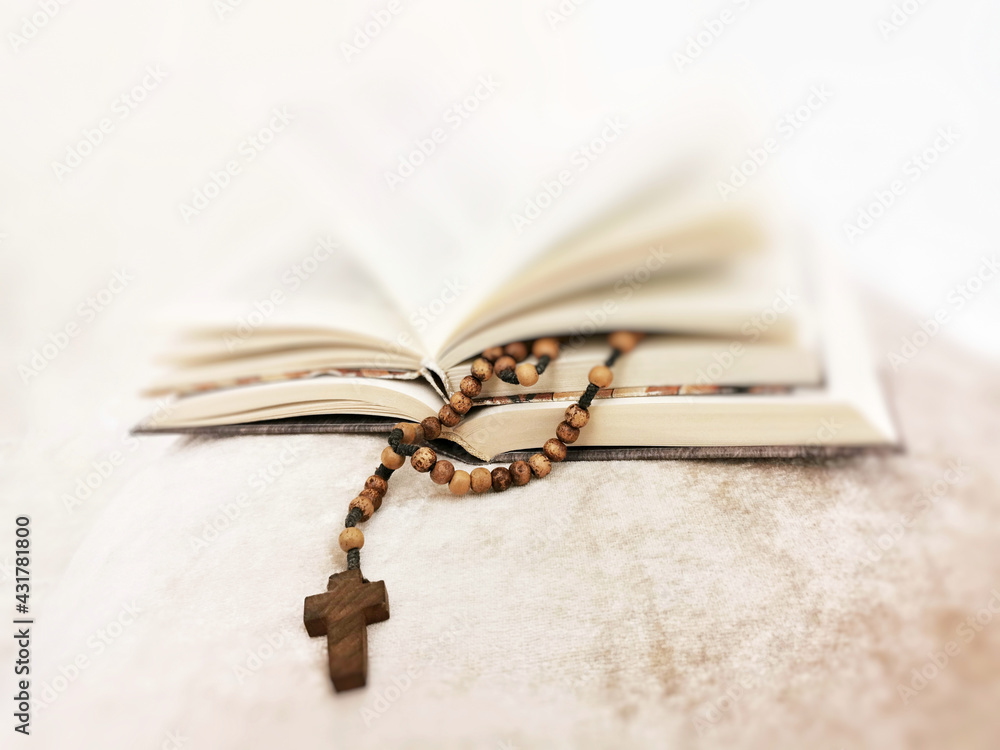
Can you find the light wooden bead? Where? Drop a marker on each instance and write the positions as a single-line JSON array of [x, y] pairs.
[[624, 341], [351, 538], [518, 350], [377, 484], [460, 482], [391, 459], [567, 432], [501, 478], [540, 465], [448, 416], [461, 403], [554, 449], [365, 505], [480, 480], [506, 362], [424, 459], [418, 433], [470, 386], [482, 370], [409, 431], [442, 472], [576, 416], [520, 473], [526, 373], [493, 353], [373, 496], [432, 428], [600, 376], [546, 348]]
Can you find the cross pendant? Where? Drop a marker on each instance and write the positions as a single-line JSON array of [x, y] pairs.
[[342, 614]]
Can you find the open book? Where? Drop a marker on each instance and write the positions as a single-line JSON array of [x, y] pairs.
[[753, 338]]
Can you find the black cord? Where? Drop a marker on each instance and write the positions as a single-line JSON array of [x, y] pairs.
[[354, 559], [588, 396], [353, 517]]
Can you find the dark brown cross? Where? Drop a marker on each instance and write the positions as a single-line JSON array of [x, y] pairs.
[[342, 614]]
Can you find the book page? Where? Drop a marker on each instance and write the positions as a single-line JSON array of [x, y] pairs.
[[291, 295]]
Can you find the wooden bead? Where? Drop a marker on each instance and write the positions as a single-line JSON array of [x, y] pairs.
[[461, 403], [377, 484], [460, 482], [506, 362], [373, 496], [364, 505], [480, 479], [567, 432], [526, 373], [576, 416], [520, 473], [482, 370], [554, 449], [624, 341], [501, 478], [424, 459], [351, 538], [600, 376], [546, 348], [518, 350], [540, 465], [493, 353], [432, 428], [418, 433], [409, 431], [470, 386], [391, 459], [448, 416], [442, 472]]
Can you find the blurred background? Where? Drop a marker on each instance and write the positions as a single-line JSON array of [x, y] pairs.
[[116, 114]]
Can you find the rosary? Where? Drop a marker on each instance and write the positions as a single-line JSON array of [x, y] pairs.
[[351, 603]]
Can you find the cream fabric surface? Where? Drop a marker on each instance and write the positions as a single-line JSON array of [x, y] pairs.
[[640, 604]]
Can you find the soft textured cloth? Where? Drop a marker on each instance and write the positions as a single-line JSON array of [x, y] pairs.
[[614, 604]]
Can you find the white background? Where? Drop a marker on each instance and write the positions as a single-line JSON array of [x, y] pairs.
[[62, 240]]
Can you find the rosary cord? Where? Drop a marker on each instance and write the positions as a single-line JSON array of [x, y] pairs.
[[404, 438]]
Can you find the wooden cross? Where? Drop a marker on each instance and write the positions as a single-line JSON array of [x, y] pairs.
[[342, 614]]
